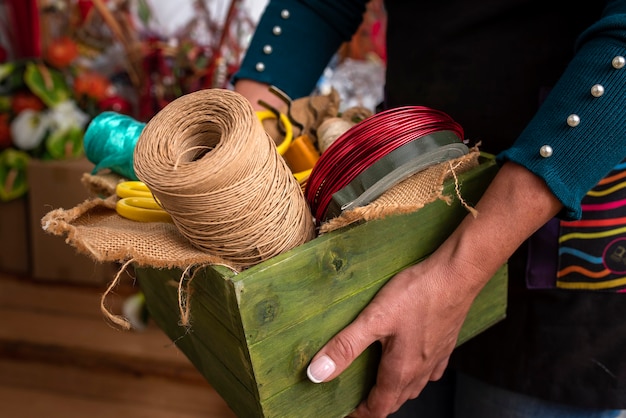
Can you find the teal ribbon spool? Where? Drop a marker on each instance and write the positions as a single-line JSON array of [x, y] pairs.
[[110, 141]]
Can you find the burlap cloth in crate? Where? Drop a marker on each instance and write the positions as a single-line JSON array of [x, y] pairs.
[[94, 228]]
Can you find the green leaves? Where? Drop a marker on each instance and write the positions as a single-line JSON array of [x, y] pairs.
[[65, 144], [13, 182], [47, 83], [144, 12]]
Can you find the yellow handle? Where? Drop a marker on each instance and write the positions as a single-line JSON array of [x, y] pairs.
[[310, 156], [302, 176], [143, 209], [302, 154], [284, 145], [132, 189]]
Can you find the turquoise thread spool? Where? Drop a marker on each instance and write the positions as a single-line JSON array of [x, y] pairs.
[[110, 141]]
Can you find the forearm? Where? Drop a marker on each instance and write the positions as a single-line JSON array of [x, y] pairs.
[[514, 206], [255, 91]]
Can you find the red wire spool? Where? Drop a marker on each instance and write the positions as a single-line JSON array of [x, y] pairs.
[[366, 143]]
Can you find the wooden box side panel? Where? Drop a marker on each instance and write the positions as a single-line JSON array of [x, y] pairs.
[[302, 282], [339, 397], [488, 308], [212, 286], [334, 399], [210, 344], [281, 361]]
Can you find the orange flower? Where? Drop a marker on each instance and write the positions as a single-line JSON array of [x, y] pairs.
[[93, 85], [61, 52]]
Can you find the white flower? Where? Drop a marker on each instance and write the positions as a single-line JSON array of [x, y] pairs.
[[29, 129], [67, 115]]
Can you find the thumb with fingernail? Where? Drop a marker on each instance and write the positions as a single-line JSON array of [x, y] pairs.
[[338, 354], [320, 369]]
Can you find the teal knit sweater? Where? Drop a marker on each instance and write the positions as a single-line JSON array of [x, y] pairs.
[[295, 40]]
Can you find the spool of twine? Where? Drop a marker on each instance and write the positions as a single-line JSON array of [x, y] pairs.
[[213, 168], [109, 142], [330, 130]]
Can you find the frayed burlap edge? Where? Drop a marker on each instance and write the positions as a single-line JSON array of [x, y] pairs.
[[411, 194], [94, 228], [102, 184]]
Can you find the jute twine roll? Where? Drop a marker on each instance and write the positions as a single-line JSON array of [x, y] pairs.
[[213, 168]]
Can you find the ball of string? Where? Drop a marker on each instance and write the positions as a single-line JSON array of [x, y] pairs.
[[212, 167]]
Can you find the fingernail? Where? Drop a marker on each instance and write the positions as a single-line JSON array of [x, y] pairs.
[[320, 369]]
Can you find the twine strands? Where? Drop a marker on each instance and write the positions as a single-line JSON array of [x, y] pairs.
[[118, 320], [457, 189], [213, 168], [184, 293]]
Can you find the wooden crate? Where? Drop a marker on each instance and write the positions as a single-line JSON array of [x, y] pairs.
[[253, 334], [14, 237], [57, 184]]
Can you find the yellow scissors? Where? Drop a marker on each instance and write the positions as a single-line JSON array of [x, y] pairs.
[[286, 123], [138, 204], [289, 148]]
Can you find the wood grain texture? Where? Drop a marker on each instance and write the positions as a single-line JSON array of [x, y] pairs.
[[252, 334], [60, 359]]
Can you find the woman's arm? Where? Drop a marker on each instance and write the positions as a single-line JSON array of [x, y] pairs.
[[295, 40], [418, 314], [593, 90]]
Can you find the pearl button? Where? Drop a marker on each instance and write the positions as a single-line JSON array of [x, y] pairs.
[[267, 49], [285, 14], [260, 67], [277, 30], [618, 62], [545, 151], [597, 90], [573, 120]]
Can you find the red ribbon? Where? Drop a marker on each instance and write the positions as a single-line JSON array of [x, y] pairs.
[[367, 142], [25, 32], [84, 8]]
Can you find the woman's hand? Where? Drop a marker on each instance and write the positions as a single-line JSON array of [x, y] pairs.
[[417, 318], [255, 91], [418, 314]]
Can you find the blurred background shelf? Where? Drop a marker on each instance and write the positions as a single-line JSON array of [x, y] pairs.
[[59, 358]]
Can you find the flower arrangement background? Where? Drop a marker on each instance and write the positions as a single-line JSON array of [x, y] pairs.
[[62, 62]]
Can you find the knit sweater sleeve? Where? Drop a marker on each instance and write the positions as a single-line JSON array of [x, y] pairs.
[[584, 126], [295, 40]]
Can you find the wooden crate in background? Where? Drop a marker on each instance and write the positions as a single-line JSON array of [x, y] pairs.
[[14, 237]]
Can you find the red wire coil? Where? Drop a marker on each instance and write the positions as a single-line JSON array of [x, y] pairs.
[[367, 142]]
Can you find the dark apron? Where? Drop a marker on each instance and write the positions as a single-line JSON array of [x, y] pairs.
[[588, 254]]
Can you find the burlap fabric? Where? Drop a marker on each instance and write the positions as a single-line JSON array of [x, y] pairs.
[[94, 228], [102, 184], [411, 194]]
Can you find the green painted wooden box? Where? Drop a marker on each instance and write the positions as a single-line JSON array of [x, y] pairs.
[[253, 334]]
